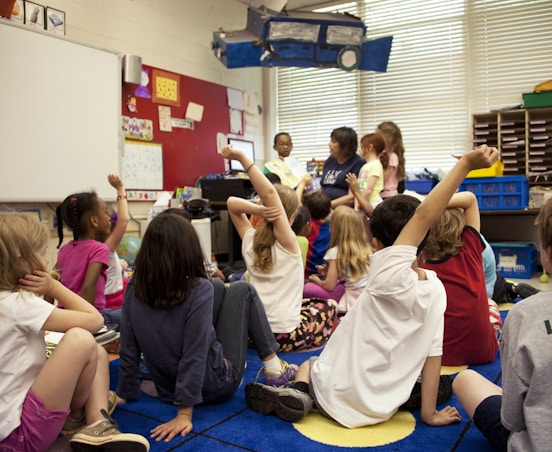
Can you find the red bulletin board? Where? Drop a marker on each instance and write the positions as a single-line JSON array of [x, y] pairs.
[[187, 154]]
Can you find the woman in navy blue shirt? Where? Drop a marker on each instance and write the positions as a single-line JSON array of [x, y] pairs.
[[343, 159]]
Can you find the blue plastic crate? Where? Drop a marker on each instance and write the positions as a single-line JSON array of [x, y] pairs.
[[515, 259], [422, 186], [499, 193]]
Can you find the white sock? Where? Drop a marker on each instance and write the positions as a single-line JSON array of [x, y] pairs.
[[273, 365]]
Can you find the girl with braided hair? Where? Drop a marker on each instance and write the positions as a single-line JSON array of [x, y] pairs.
[[82, 263]]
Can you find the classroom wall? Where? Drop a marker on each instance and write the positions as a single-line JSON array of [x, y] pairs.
[[174, 35]]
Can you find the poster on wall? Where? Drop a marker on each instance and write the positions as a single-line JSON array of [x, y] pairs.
[[166, 88], [55, 21], [18, 12], [34, 15]]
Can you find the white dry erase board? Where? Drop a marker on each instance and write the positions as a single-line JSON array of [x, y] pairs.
[[60, 110], [143, 166]]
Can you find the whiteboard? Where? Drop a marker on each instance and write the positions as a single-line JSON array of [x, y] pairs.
[[143, 166], [60, 109]]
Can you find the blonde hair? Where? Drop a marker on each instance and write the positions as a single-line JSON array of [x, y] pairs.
[[347, 233], [264, 238], [445, 236], [21, 237]]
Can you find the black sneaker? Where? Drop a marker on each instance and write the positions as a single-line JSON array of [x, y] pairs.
[[289, 404], [524, 290]]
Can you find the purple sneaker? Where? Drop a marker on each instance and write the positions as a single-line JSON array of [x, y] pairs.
[[284, 378]]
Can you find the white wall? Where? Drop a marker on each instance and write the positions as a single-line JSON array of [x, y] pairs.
[[174, 35]]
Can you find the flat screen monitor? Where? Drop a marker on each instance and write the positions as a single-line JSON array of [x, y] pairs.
[[243, 145]]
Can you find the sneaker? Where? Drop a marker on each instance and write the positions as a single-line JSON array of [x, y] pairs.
[[285, 377], [107, 437], [289, 404], [72, 426], [525, 290]]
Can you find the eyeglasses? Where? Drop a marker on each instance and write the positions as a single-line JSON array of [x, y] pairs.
[[283, 145]]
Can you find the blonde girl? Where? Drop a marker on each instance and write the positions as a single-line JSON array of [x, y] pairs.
[[67, 393], [274, 261], [348, 259]]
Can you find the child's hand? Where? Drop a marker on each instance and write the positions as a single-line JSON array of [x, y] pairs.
[[306, 179], [353, 182], [481, 157], [40, 283], [315, 279], [230, 153], [114, 180], [269, 213], [322, 270], [446, 416]]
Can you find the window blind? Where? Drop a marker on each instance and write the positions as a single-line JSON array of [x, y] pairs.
[[448, 59]]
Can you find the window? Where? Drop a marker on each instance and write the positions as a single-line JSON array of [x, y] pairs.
[[448, 60]]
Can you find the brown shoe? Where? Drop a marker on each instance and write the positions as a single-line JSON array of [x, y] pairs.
[[107, 437], [72, 426]]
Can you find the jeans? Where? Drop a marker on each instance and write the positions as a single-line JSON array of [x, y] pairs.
[[238, 314]]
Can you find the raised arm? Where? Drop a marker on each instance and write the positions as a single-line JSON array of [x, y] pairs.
[[437, 200], [468, 201], [300, 189], [273, 208], [123, 217]]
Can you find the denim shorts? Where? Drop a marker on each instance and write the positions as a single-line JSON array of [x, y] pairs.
[[39, 427], [487, 419]]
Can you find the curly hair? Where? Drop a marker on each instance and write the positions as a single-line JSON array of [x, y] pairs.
[[348, 235], [445, 235], [21, 238], [264, 238]]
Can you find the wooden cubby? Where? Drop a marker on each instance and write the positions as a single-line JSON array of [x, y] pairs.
[[524, 139]]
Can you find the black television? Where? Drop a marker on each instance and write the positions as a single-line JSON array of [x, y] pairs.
[[246, 146]]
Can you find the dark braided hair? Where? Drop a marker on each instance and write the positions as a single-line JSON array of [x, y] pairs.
[[72, 210]]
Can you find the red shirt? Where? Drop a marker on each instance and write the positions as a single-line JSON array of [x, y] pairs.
[[469, 337]]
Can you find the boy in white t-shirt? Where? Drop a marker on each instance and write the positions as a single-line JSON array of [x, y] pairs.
[[392, 334]]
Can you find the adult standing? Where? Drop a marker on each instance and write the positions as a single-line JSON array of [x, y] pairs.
[[394, 174], [343, 159]]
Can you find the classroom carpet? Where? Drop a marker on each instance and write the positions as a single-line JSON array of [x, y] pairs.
[[232, 426]]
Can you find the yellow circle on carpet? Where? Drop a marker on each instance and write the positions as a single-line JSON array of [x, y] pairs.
[[451, 370], [324, 430]]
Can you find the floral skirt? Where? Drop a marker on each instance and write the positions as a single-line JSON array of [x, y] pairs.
[[318, 320]]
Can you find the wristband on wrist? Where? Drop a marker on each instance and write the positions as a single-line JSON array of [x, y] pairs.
[[249, 167], [121, 197]]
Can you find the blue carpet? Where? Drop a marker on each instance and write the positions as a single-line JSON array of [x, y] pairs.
[[233, 426]]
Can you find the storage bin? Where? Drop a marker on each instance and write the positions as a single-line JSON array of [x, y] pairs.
[[515, 259], [496, 170], [422, 186], [536, 100], [499, 193]]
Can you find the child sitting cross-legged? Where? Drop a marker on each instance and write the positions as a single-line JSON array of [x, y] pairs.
[[454, 251], [192, 331], [348, 260], [392, 333]]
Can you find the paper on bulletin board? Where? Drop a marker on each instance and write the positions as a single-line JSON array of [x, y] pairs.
[[165, 119], [143, 166], [236, 121], [235, 99]]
